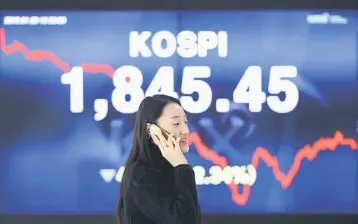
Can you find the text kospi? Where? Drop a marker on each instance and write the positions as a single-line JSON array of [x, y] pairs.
[[186, 44]]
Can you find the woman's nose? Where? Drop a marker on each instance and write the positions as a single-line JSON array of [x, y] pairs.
[[185, 130]]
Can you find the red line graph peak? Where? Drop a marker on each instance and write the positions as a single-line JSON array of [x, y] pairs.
[[308, 152], [260, 155]]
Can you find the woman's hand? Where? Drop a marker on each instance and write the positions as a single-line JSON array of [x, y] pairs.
[[169, 148]]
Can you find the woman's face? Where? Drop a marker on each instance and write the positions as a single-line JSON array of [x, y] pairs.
[[174, 121]]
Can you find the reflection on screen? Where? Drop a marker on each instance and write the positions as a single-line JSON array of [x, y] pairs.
[[271, 100]]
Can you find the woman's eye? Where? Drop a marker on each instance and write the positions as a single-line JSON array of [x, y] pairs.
[[176, 124]]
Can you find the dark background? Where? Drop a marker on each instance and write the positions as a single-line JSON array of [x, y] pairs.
[[182, 4]]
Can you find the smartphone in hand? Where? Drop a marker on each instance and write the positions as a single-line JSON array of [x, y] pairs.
[[164, 133], [155, 130]]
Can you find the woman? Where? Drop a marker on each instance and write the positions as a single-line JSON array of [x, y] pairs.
[[158, 185]]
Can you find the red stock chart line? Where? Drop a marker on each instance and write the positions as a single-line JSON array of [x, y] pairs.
[[308, 152]]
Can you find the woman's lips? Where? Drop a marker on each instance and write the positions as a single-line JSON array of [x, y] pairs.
[[184, 141]]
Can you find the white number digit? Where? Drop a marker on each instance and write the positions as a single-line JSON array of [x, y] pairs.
[[127, 80], [244, 175], [249, 89], [239, 173], [277, 84], [163, 82], [191, 84], [199, 174], [227, 175], [74, 78], [216, 175]]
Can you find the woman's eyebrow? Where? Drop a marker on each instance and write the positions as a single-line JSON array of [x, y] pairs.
[[185, 116]]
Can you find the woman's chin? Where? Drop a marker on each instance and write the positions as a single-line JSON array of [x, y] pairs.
[[184, 148]]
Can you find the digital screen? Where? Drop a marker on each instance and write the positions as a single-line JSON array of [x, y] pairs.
[[271, 98]]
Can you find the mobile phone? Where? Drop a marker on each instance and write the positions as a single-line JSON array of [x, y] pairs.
[[164, 133], [157, 129]]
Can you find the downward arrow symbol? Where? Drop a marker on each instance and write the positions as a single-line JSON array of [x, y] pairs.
[[107, 174]]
